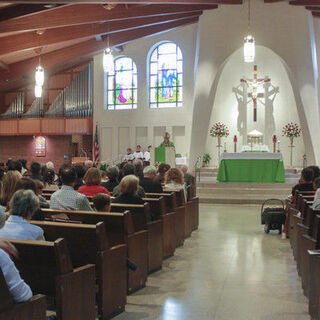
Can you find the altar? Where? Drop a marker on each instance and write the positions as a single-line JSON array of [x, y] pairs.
[[251, 167]]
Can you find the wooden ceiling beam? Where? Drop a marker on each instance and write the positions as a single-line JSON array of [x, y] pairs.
[[305, 3], [128, 1], [19, 10], [31, 40], [25, 69], [313, 8], [82, 14]]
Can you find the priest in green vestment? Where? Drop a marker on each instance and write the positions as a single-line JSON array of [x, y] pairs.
[[166, 141]]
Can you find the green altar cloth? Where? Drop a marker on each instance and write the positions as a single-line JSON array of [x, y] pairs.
[[251, 170], [160, 154]]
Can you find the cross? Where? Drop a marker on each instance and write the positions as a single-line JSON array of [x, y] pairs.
[[254, 84]]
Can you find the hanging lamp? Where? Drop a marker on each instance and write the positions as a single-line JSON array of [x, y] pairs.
[[249, 50], [39, 75], [38, 91], [108, 64]]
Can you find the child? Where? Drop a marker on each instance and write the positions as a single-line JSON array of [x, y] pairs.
[[102, 202]]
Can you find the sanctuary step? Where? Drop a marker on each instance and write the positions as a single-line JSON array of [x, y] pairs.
[[211, 191]]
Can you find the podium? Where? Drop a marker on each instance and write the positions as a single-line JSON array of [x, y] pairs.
[[78, 160], [166, 155]]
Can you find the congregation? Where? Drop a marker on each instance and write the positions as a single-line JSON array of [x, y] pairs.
[[79, 187]]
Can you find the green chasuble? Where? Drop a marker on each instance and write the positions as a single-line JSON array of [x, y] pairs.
[[170, 144]]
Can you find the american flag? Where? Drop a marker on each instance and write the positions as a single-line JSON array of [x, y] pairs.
[[96, 148]]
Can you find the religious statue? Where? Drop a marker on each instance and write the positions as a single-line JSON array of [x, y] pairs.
[[256, 90], [254, 84], [166, 141]]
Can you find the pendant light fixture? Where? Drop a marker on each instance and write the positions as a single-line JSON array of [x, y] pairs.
[[39, 74], [38, 91], [108, 65], [249, 50]]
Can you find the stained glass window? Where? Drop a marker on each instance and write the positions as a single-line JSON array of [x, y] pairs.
[[122, 85], [166, 76]]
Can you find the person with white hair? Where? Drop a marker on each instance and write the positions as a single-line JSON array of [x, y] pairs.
[[148, 183], [88, 164], [50, 165], [22, 206]]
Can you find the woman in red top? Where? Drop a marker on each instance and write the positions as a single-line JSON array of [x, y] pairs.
[[92, 187]]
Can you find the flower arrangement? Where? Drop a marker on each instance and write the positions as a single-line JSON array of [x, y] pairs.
[[291, 130], [219, 130], [157, 164]]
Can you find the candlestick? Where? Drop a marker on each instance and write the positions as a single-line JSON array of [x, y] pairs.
[[225, 147]]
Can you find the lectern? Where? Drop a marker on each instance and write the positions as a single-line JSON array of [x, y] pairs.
[[166, 155]]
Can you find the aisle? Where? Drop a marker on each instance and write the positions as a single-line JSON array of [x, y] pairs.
[[228, 269]]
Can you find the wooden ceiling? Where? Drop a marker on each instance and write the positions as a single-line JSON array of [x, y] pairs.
[[311, 5], [69, 32]]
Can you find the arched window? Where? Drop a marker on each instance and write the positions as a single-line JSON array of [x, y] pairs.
[[165, 76], [122, 85]]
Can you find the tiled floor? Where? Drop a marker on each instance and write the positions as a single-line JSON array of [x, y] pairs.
[[228, 269]]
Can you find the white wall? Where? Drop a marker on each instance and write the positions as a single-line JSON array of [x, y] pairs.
[[280, 27], [291, 60], [144, 125], [225, 107]]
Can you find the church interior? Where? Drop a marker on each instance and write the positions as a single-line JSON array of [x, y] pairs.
[[159, 159]]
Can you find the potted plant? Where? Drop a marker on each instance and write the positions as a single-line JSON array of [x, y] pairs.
[[206, 159]]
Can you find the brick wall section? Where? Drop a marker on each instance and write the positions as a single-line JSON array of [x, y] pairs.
[[23, 147]]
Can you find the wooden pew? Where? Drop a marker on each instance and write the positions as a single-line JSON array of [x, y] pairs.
[[314, 284], [47, 268], [159, 210], [179, 214], [120, 229], [141, 216], [34, 309], [89, 244], [188, 214], [309, 241]]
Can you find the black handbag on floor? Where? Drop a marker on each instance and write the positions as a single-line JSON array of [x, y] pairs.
[[273, 217]]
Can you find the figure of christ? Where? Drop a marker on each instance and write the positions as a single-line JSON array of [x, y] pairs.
[[254, 84]]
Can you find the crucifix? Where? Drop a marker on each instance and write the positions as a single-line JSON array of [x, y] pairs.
[[254, 84]]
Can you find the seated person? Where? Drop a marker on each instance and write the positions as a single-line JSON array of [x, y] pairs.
[[305, 182], [102, 202], [188, 178], [15, 165], [128, 169], [88, 164], [174, 180], [24, 169], [316, 187], [67, 198], [128, 188], [39, 189], [147, 182], [92, 178], [29, 184], [104, 177], [316, 171], [162, 169], [138, 164], [22, 206], [18, 289], [112, 182], [35, 169], [129, 156], [80, 174], [138, 154], [8, 187], [49, 180]]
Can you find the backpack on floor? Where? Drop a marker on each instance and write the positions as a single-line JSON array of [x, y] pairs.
[[273, 217]]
